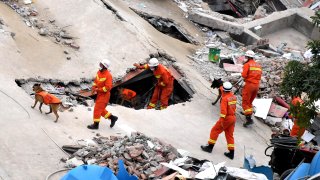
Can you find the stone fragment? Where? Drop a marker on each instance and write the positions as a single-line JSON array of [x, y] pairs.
[[75, 46], [43, 32]]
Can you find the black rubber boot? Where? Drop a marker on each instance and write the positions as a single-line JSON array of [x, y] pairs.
[[113, 120], [207, 148], [248, 122], [229, 154], [95, 125]]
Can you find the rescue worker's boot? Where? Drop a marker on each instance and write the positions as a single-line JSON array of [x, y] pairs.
[[230, 154], [95, 125], [248, 122], [113, 120], [207, 148]]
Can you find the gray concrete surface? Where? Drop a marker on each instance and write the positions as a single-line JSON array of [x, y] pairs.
[[215, 23], [292, 37], [27, 153]]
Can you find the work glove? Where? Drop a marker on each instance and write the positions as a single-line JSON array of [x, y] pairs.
[[94, 90], [138, 66]]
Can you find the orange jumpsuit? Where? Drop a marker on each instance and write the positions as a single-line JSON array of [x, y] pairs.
[[128, 94], [49, 98], [103, 85], [252, 74], [226, 121], [296, 129], [164, 87]]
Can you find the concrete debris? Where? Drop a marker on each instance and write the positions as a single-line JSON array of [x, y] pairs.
[[277, 111], [215, 23], [141, 160], [69, 92], [134, 150], [43, 32], [273, 121], [261, 12], [74, 162], [33, 19]]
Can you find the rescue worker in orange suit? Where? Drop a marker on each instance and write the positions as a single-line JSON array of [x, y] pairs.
[[102, 86], [127, 95], [251, 73], [226, 121], [164, 86], [296, 129]]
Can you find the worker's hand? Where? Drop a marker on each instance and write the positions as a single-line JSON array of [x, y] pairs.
[[94, 90], [137, 65], [161, 84]]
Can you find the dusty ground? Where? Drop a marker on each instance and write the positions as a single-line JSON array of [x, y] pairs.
[[26, 152]]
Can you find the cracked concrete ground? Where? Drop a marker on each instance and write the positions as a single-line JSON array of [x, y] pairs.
[[26, 152]]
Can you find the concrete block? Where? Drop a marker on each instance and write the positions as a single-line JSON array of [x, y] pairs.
[[277, 111], [215, 23], [232, 67]]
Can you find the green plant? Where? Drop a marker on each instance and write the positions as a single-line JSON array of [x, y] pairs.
[[304, 78]]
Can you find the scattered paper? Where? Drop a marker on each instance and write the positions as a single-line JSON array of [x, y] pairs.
[[210, 172], [307, 136], [183, 172], [262, 107]]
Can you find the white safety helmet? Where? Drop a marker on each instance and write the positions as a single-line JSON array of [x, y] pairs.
[[106, 63], [227, 86], [153, 62], [250, 53]]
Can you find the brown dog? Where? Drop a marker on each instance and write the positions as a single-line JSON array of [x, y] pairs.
[[44, 97]]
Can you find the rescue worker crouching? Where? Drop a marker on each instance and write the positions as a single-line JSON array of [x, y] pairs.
[[251, 73], [127, 95], [225, 123], [102, 86], [164, 86]]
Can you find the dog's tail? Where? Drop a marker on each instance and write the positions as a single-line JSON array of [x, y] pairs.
[[65, 106]]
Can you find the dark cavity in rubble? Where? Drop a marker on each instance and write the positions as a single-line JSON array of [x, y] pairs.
[[167, 26], [143, 83]]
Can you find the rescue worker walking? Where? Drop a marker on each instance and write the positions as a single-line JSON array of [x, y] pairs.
[[252, 74], [102, 86], [164, 86], [226, 121], [296, 131]]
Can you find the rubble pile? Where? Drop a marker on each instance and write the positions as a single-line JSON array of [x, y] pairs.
[[142, 155], [45, 25], [273, 72], [70, 92], [148, 158]]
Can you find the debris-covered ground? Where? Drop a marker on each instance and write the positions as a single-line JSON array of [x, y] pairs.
[[147, 158]]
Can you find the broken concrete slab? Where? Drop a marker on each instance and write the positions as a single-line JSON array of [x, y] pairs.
[[232, 67], [268, 53], [277, 111], [215, 23]]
